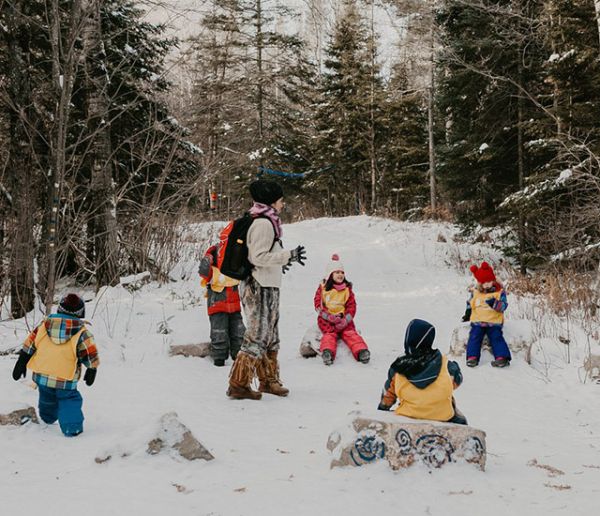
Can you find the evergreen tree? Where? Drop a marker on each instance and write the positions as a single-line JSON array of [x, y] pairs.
[[343, 118]]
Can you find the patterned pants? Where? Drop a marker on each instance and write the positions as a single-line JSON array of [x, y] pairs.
[[261, 311]]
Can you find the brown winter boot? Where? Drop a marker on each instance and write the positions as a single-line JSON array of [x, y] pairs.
[[240, 378], [268, 374]]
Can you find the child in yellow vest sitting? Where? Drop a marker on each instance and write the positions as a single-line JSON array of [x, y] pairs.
[[335, 303], [485, 310], [423, 380], [54, 352]]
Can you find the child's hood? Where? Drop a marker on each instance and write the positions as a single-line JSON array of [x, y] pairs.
[[62, 327], [428, 375]]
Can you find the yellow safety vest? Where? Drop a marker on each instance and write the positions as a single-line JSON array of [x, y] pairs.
[[434, 402], [481, 311], [335, 300], [56, 360]]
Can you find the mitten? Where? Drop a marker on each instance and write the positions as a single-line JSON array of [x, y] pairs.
[[467, 315], [383, 407], [89, 376], [20, 369], [330, 318], [298, 255], [491, 301], [342, 322]]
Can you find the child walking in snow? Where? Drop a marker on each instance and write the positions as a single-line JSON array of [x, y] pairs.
[[224, 310], [336, 306], [423, 380], [54, 351], [485, 310]]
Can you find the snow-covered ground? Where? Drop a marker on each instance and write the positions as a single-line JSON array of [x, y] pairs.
[[271, 457]]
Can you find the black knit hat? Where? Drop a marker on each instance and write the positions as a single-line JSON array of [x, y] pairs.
[[419, 337], [265, 191], [72, 304]]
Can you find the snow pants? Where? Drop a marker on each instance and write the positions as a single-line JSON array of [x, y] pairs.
[[226, 335], [494, 333], [64, 405], [261, 310], [350, 337]]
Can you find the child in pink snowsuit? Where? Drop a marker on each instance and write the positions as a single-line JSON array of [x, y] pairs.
[[336, 306]]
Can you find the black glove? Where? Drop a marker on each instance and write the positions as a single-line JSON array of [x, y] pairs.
[[467, 315], [20, 369], [383, 407], [286, 267], [89, 376], [298, 255]]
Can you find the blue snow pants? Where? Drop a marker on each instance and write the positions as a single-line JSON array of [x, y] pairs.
[[494, 333], [64, 405]]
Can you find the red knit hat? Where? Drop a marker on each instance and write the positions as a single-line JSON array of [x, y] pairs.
[[484, 273]]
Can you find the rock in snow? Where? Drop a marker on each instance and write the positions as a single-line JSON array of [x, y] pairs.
[[175, 435], [19, 417]]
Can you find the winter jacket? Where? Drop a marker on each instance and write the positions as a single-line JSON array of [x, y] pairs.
[[266, 253], [222, 294], [484, 313], [341, 303], [59, 345], [427, 394]]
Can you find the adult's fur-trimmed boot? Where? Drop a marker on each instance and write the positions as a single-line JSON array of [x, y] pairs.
[[240, 378], [268, 375]]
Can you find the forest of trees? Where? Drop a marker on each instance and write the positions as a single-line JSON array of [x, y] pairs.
[[489, 114]]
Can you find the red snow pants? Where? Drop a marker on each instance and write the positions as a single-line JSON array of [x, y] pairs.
[[350, 337]]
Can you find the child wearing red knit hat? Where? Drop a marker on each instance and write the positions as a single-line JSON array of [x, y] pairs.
[[485, 311], [334, 301]]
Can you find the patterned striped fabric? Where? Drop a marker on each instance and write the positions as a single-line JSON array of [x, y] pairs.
[[61, 328]]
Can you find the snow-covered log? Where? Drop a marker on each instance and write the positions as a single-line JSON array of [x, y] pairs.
[[190, 350], [518, 335], [403, 442]]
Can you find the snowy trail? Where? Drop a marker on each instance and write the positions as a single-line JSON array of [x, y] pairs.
[[270, 455]]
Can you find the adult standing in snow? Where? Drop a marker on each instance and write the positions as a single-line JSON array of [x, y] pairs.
[[260, 296]]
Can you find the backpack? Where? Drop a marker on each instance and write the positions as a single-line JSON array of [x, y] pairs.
[[232, 250]]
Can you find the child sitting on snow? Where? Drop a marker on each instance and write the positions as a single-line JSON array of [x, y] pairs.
[[224, 310], [54, 351], [423, 380], [336, 306], [485, 310]]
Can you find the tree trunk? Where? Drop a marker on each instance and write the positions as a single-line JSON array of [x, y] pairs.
[[103, 204], [597, 9], [20, 165], [521, 164], [430, 108], [372, 116], [259, 63], [64, 56]]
